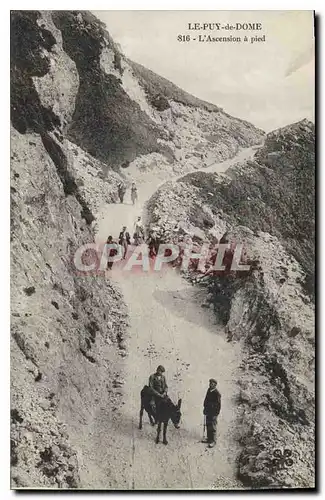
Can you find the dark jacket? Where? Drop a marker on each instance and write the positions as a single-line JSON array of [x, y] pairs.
[[212, 403], [158, 385], [121, 188], [124, 236]]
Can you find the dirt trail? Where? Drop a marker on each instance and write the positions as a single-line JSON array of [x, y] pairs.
[[167, 326], [112, 217]]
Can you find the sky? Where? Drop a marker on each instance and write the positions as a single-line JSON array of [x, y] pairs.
[[270, 83]]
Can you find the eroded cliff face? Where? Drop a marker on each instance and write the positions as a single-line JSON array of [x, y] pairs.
[[268, 311], [66, 329], [79, 113], [267, 205]]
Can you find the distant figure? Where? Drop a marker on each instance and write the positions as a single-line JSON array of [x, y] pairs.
[[211, 410], [112, 251], [138, 232], [121, 189], [153, 243], [134, 193], [124, 240]]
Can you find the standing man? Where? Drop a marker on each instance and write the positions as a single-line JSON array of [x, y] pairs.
[[158, 385], [138, 231], [211, 410], [134, 193], [121, 189], [124, 240]]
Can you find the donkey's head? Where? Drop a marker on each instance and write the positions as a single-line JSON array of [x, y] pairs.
[[176, 414]]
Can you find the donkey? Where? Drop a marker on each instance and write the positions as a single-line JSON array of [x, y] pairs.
[[146, 398], [165, 410]]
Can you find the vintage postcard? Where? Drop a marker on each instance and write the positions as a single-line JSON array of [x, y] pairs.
[[162, 250]]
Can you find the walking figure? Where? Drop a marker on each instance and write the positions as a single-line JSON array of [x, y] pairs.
[[134, 193], [124, 240], [121, 189], [112, 250], [211, 410], [138, 232], [153, 243]]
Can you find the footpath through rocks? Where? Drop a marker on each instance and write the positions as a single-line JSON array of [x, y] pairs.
[[168, 326]]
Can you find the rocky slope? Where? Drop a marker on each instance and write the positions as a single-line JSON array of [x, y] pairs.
[[65, 328], [266, 204], [81, 115], [104, 104]]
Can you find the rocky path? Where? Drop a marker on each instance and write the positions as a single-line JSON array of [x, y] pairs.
[[167, 326], [112, 217]]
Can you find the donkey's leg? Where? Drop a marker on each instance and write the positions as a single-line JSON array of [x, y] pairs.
[[152, 413], [152, 420], [158, 432], [164, 433], [141, 415]]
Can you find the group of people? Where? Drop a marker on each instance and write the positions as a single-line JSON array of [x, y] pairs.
[[211, 403], [124, 240], [121, 189]]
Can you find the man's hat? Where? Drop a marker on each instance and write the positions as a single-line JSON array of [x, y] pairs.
[[160, 368], [213, 380]]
